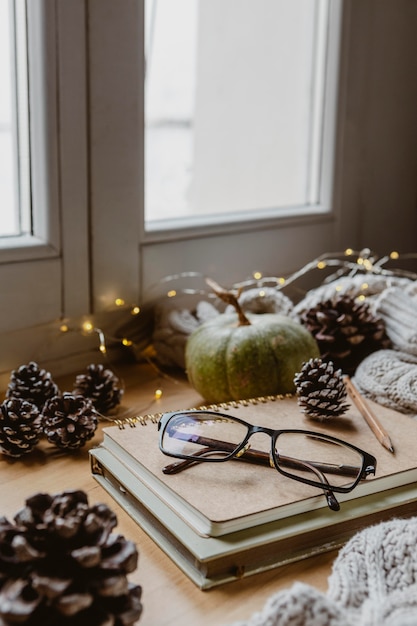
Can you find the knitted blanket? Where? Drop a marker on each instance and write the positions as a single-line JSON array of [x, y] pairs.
[[373, 583], [389, 377]]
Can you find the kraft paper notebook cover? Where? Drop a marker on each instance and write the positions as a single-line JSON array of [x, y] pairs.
[[216, 499]]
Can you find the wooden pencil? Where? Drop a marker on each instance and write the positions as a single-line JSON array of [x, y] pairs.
[[369, 416]]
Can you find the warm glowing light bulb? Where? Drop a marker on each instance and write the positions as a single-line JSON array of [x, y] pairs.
[[364, 286], [257, 275], [87, 327], [348, 251], [262, 293], [281, 280], [338, 287], [64, 328], [158, 394], [126, 342], [362, 297], [394, 255], [171, 293], [135, 310], [321, 265], [103, 348], [119, 302]]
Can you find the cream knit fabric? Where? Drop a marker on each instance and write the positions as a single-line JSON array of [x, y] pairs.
[[373, 583], [389, 377], [398, 308], [370, 285], [264, 300], [173, 327]]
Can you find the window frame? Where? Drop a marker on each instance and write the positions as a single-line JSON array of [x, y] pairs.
[[204, 239], [186, 228], [40, 259], [77, 86]]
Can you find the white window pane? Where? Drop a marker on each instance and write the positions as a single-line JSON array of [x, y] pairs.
[[9, 222], [234, 103], [14, 142]]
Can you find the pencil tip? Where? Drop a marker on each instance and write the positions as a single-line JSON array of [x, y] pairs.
[[387, 443]]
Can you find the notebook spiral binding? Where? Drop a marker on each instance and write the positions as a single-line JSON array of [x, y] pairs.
[[153, 418]]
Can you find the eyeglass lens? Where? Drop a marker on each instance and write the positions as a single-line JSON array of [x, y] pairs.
[[300, 455], [311, 456], [202, 435]]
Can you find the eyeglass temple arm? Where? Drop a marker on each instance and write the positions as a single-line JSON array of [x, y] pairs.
[[255, 456], [332, 502]]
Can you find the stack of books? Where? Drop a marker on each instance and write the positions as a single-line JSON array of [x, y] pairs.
[[222, 521]]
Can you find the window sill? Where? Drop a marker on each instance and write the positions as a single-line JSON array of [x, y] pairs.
[[25, 248], [209, 225]]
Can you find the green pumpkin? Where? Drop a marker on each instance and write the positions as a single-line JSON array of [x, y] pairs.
[[228, 358]]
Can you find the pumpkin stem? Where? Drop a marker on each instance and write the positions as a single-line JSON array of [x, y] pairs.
[[230, 297]]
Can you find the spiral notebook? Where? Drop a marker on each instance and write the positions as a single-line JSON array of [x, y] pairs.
[[219, 499]]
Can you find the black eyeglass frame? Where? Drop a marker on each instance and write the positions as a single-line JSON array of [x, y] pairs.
[[368, 460]]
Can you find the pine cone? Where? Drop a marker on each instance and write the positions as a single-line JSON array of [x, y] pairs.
[[321, 390], [33, 384], [101, 386], [20, 427], [61, 565], [346, 331], [69, 421]]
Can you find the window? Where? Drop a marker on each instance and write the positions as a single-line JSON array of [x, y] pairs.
[[14, 141], [32, 271], [87, 242], [235, 99], [239, 152]]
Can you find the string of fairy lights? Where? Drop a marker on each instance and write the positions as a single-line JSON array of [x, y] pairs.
[[348, 263]]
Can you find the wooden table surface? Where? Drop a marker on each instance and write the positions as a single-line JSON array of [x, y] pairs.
[[168, 596]]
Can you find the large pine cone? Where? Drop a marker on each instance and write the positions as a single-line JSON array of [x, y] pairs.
[[101, 386], [69, 421], [20, 427], [346, 331], [61, 565], [321, 390], [33, 384]]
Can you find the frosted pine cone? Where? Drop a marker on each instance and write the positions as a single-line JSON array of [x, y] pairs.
[[101, 386], [321, 390], [69, 421], [61, 565], [33, 384], [346, 331], [20, 427]]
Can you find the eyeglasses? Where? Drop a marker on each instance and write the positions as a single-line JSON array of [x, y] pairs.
[[312, 458]]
